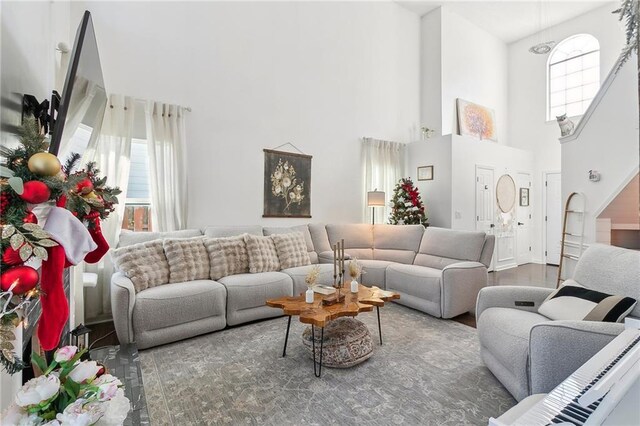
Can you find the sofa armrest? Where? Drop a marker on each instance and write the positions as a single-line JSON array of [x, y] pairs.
[[123, 298], [327, 256], [511, 297], [558, 348], [460, 285]]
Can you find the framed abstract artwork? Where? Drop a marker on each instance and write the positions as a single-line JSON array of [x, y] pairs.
[[425, 173], [287, 184], [476, 121]]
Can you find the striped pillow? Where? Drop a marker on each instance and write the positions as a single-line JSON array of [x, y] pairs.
[[292, 249], [575, 302], [263, 256]]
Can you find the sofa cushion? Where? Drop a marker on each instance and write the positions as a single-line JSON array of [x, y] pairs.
[[227, 256], [441, 247], [374, 272], [145, 264], [128, 238], [245, 291], [396, 243], [418, 281], [263, 256], [188, 259], [612, 270], [300, 273], [231, 231], [178, 303], [319, 237], [291, 249], [358, 238], [504, 332], [574, 302]]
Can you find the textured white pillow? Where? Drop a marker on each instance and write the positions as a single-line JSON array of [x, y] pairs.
[[145, 264], [188, 259], [291, 249], [227, 256], [263, 256]]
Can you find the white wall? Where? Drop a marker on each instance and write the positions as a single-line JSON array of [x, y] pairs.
[[431, 71], [528, 128], [474, 68], [258, 75], [609, 144], [435, 193]]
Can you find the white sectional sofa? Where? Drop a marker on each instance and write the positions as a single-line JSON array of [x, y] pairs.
[[437, 271]]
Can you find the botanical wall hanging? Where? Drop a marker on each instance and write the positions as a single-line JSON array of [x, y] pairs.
[[476, 121], [287, 184]]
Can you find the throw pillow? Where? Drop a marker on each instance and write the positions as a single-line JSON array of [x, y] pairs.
[[575, 302], [291, 249], [227, 256], [188, 259], [145, 264], [263, 256]]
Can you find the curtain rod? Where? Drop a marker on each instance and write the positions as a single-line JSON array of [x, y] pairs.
[[145, 100]]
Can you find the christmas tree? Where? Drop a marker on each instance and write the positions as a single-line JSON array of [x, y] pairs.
[[407, 207]]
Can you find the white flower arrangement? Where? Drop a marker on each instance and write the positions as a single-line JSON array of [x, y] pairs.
[[285, 184], [70, 392], [312, 276]]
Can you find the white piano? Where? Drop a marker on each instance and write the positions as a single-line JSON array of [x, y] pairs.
[[604, 391]]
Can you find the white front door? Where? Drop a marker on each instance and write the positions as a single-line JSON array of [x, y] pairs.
[[553, 217], [523, 218], [485, 199]]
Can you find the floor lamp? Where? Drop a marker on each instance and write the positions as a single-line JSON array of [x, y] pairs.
[[375, 199]]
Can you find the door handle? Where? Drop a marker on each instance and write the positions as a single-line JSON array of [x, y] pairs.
[[520, 223], [492, 226]]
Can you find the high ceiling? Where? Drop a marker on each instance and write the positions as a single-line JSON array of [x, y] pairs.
[[511, 20]]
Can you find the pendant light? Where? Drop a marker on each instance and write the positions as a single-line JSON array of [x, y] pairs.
[[543, 47]]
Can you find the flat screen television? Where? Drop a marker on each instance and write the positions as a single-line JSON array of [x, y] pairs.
[[84, 98]]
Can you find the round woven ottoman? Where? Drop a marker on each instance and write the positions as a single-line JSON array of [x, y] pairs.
[[347, 342]]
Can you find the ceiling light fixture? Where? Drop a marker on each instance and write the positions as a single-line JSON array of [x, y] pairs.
[[543, 47]]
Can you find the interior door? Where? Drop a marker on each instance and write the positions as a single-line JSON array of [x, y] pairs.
[[485, 199], [523, 218], [553, 217]]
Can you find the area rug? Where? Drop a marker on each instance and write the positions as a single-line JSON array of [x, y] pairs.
[[428, 371]]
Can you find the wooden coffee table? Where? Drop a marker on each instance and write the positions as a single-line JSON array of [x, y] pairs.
[[318, 315]]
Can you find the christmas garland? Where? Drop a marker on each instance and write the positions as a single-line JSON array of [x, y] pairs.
[[29, 176]]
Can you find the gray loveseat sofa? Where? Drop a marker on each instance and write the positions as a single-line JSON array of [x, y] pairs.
[[438, 271], [532, 354]]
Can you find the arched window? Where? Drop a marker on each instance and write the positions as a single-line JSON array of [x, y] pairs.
[[573, 75]]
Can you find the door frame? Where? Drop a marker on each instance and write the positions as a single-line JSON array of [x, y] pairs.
[[545, 173], [530, 219]]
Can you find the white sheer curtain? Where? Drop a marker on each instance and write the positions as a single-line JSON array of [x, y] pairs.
[[111, 153], [167, 163], [382, 167]]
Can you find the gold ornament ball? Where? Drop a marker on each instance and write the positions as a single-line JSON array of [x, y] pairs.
[[92, 195], [44, 164]]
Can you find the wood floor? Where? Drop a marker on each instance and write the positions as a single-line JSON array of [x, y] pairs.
[[531, 274]]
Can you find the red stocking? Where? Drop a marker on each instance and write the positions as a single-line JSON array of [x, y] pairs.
[[55, 308], [98, 238]]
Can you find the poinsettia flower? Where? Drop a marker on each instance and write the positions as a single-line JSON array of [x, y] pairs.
[[38, 390], [65, 353]]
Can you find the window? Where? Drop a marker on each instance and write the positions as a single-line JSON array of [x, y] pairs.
[[137, 213], [573, 77]]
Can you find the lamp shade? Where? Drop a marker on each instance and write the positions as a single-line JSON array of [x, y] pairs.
[[375, 198]]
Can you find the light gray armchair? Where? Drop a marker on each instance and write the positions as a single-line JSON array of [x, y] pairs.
[[528, 352]]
